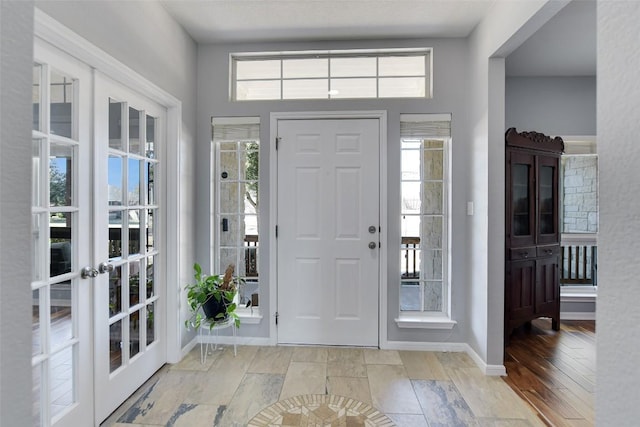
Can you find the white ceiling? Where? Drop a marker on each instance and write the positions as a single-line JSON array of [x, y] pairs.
[[218, 21], [565, 46]]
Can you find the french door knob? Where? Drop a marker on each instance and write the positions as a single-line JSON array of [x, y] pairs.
[[372, 245], [88, 272], [105, 267]]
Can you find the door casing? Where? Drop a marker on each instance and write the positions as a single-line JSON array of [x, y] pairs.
[[381, 115]]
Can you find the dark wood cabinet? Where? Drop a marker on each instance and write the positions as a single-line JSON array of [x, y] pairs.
[[532, 242]]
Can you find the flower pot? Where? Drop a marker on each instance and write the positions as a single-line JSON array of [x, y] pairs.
[[216, 310]]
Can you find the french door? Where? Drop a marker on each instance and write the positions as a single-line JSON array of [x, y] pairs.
[[328, 231], [61, 240], [129, 300], [98, 289]]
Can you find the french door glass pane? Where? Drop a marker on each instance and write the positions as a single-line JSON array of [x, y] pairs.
[[115, 124], [61, 165], [546, 200], [115, 345], [151, 325], [151, 137], [411, 197], [411, 165], [36, 95], [61, 300], [134, 283], [229, 193], [433, 164], [61, 244], [115, 177], [134, 231], [432, 232], [134, 333], [115, 291], [150, 277], [150, 229], [432, 198], [36, 173], [133, 182], [37, 235], [135, 144], [62, 380], [149, 183], [115, 234], [61, 104], [36, 330]]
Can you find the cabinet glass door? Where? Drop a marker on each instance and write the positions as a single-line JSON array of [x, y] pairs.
[[547, 200], [522, 201]]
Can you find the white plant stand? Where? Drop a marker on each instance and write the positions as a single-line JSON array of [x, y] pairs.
[[207, 328]]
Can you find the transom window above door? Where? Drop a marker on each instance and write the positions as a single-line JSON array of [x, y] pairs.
[[335, 74]]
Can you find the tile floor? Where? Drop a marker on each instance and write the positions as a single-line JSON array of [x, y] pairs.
[[412, 388]]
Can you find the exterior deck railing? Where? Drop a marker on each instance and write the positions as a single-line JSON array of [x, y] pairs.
[[410, 257], [579, 259]]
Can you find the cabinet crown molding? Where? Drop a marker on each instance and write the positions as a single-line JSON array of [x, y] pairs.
[[534, 140]]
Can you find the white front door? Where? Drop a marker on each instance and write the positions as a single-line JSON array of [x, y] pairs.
[[129, 327], [328, 231]]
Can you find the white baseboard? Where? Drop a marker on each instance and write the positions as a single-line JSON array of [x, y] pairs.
[[577, 315], [187, 348], [489, 370]]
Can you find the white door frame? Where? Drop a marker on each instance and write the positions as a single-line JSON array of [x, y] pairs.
[[381, 115]]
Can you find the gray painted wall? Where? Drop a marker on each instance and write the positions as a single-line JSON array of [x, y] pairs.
[[552, 105], [450, 84], [147, 39], [16, 62], [618, 134]]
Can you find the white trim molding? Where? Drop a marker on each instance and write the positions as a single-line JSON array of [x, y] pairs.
[[425, 322]]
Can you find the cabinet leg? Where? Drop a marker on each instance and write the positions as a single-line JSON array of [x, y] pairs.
[[555, 324]]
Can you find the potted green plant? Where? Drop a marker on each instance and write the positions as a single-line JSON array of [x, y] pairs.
[[211, 298]]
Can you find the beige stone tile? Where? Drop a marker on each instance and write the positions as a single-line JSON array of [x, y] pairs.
[[381, 357], [442, 403], [215, 387], [455, 360], [356, 388], [304, 378], [271, 360], [195, 415], [228, 361], [346, 362], [160, 400], [192, 361], [499, 422], [256, 391], [489, 397], [423, 365], [391, 390], [408, 420], [310, 354]]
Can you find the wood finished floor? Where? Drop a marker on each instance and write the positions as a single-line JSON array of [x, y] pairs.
[[555, 371]]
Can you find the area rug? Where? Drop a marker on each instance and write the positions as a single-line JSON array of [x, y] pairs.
[[320, 410]]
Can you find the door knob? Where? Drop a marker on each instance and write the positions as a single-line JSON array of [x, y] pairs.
[[372, 245], [88, 272], [372, 229], [105, 267]]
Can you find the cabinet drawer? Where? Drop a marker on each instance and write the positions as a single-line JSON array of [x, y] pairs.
[[522, 253], [548, 250]]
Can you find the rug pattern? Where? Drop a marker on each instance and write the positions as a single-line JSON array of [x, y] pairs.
[[320, 410]]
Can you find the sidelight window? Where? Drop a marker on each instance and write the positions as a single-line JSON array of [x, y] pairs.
[[236, 149], [425, 141]]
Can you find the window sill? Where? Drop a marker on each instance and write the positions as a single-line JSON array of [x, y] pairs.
[[249, 316], [578, 293], [425, 322]]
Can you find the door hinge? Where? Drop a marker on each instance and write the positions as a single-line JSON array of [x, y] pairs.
[[277, 316], [278, 139]]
